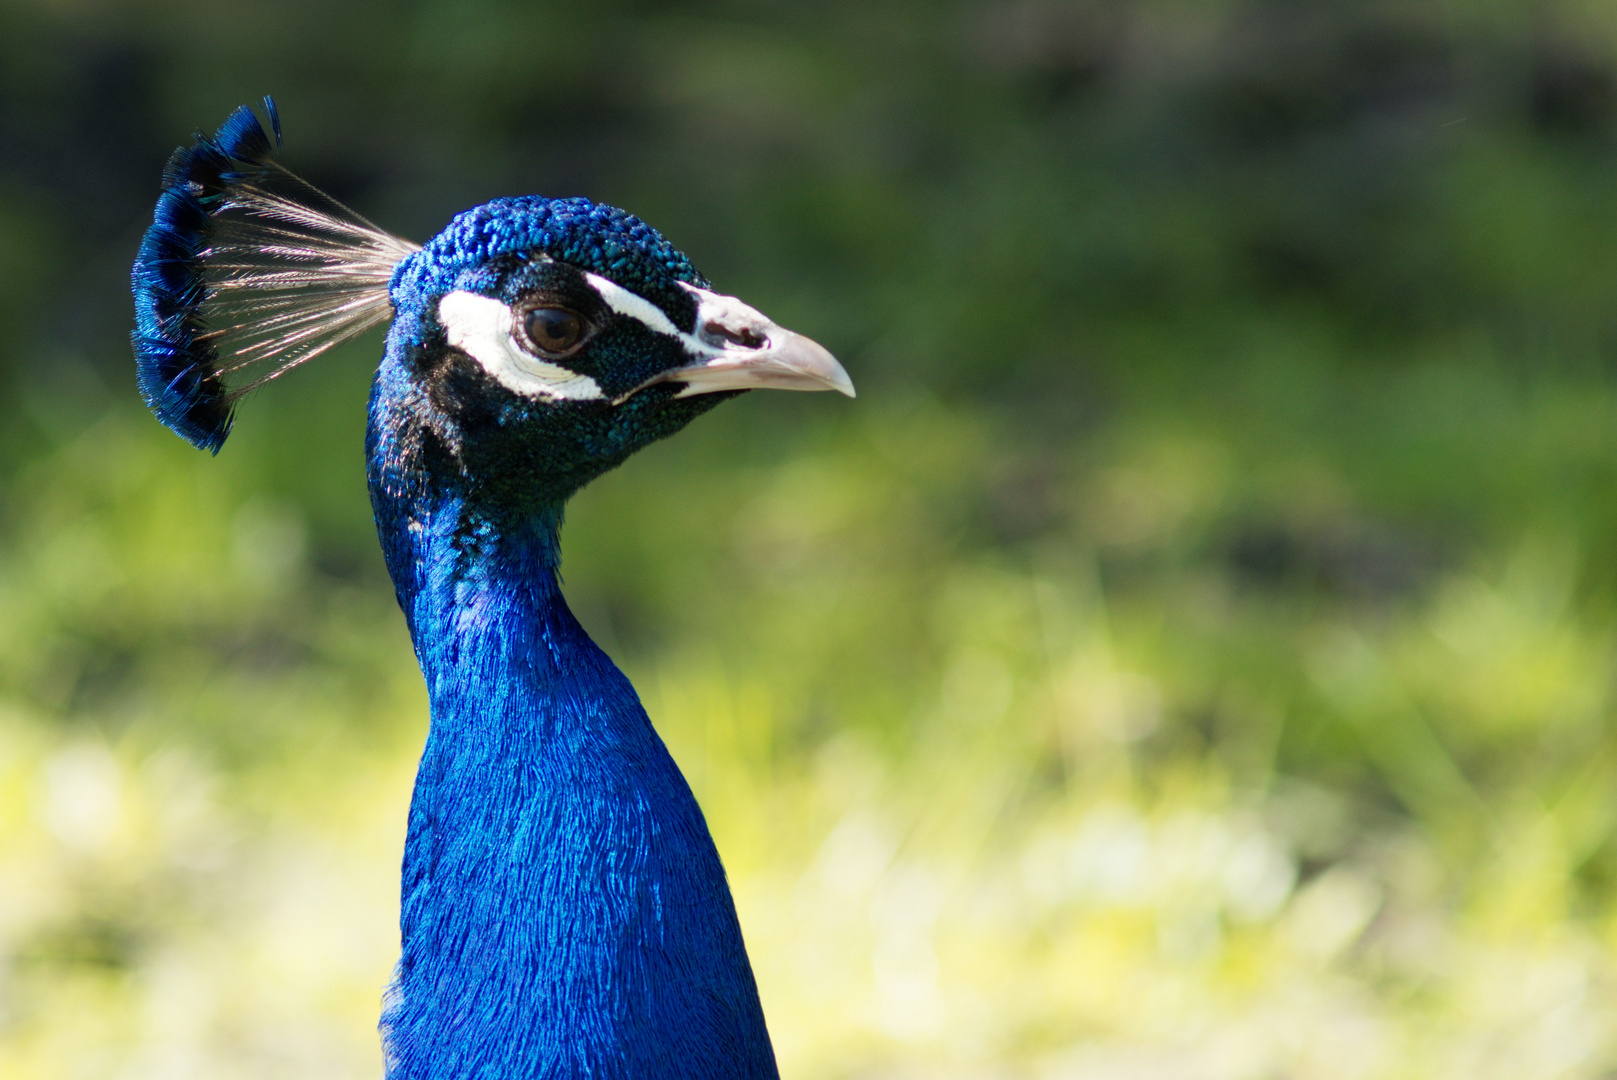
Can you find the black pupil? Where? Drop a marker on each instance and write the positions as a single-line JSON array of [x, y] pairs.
[[554, 329]]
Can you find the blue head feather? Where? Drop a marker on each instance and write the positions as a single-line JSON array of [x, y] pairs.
[[176, 366], [598, 238]]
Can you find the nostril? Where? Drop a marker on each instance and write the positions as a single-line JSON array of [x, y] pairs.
[[747, 339]]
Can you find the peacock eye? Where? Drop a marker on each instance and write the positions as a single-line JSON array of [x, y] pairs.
[[553, 331]]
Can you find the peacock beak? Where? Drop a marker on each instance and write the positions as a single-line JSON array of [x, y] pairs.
[[736, 347], [784, 361]]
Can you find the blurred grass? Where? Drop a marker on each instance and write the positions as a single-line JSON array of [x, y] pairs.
[[1192, 655]]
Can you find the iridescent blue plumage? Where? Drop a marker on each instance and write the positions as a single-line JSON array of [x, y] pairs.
[[603, 239], [244, 267], [176, 365], [564, 912]]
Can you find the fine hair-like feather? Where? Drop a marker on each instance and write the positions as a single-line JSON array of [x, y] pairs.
[[246, 272]]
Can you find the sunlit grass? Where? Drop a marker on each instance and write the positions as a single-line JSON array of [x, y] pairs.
[[1102, 806]]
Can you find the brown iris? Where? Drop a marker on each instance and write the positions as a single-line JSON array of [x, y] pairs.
[[553, 331]]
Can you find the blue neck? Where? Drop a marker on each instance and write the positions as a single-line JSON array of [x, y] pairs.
[[564, 911]]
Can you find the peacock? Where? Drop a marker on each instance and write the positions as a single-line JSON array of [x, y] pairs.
[[563, 910]]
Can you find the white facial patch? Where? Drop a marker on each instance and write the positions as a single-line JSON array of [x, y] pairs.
[[723, 323], [732, 346], [484, 329], [624, 302]]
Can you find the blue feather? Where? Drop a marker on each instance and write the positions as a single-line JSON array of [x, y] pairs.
[[564, 912], [604, 239], [176, 366], [245, 264]]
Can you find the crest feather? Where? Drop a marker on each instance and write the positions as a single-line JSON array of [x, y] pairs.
[[246, 272]]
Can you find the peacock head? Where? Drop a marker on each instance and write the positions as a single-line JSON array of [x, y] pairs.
[[535, 343], [548, 339]]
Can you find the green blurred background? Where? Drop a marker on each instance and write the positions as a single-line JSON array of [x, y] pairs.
[[1192, 656]]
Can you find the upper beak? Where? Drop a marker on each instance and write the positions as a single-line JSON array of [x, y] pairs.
[[786, 361], [741, 348]]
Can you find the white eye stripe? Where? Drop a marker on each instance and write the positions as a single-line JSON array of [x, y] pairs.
[[720, 320], [633, 305], [482, 327]]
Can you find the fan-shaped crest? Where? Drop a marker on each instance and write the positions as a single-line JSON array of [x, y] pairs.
[[246, 272]]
